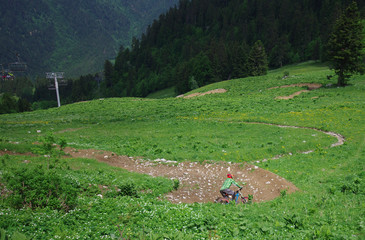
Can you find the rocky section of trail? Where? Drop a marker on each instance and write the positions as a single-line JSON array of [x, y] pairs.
[[199, 182]]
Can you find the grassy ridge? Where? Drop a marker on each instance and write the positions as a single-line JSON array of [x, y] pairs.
[[215, 127]]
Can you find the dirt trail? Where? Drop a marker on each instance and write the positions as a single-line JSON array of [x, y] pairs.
[[219, 90], [198, 182], [310, 86], [201, 182]]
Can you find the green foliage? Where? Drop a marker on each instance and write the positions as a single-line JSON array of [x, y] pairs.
[[166, 93], [37, 188], [193, 84], [286, 75], [176, 184], [15, 236], [10, 104], [257, 60], [346, 45], [51, 148], [128, 189], [283, 192], [354, 184], [183, 45]]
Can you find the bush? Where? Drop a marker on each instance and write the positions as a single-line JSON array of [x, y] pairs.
[[176, 184], [352, 185], [37, 188], [15, 236], [128, 189]]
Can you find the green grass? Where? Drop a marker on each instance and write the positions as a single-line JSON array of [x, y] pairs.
[[215, 127], [165, 93]]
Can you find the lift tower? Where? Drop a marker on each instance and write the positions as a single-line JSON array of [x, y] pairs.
[[55, 76]]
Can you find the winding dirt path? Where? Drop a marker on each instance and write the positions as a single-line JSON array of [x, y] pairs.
[[201, 182]]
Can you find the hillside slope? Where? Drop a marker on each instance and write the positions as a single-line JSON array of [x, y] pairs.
[[201, 42], [72, 36], [212, 130]]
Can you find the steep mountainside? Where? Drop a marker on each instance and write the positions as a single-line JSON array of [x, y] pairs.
[[72, 36]]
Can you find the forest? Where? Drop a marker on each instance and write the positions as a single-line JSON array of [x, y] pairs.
[[199, 42], [202, 42], [71, 36]]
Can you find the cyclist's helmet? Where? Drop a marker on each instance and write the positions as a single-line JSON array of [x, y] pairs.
[[229, 175]]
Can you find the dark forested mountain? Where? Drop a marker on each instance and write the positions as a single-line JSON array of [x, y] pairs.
[[75, 36], [203, 41]]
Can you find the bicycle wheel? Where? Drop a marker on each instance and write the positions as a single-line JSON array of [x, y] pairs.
[[222, 200]]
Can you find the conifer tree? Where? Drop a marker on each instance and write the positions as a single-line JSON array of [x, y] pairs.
[[345, 47], [257, 64], [108, 72]]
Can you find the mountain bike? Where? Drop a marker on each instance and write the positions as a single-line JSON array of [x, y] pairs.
[[237, 198]]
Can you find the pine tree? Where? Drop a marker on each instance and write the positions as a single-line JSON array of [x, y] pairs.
[[257, 64], [108, 73], [345, 45]]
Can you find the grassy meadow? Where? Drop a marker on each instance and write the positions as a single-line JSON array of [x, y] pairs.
[[216, 127]]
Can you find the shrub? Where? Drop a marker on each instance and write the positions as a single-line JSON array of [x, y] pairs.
[[176, 184], [128, 189], [37, 188], [283, 192], [353, 185], [15, 236]]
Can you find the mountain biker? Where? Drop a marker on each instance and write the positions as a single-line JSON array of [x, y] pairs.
[[225, 191]]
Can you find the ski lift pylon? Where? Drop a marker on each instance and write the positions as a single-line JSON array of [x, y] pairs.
[[55, 76], [51, 82]]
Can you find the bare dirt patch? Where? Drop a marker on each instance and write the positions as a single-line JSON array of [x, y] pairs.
[[199, 182], [310, 86], [219, 90]]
